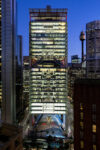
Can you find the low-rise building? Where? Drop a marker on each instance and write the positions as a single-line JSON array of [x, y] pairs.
[[87, 114], [10, 137]]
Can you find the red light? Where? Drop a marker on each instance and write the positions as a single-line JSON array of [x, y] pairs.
[[43, 123]]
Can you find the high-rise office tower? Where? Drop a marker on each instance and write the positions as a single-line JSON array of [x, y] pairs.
[[19, 78], [48, 61], [0, 58], [93, 49], [26, 81], [8, 60]]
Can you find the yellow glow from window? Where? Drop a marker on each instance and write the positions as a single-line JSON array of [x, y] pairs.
[[42, 42], [81, 115], [48, 65], [48, 31], [47, 69], [55, 46], [81, 144], [36, 69], [81, 106], [48, 27], [94, 147], [81, 125], [48, 112], [94, 128], [26, 63], [49, 39], [48, 46], [48, 23], [61, 70]]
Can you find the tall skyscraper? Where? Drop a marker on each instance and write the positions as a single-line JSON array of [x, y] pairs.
[[0, 58], [93, 49], [48, 61], [19, 78], [8, 60], [26, 81]]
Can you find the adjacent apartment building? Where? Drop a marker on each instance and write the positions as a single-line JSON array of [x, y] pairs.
[[87, 114]]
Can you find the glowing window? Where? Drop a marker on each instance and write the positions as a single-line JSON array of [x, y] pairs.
[[81, 115], [94, 147], [81, 106], [94, 128], [81, 125], [81, 144]]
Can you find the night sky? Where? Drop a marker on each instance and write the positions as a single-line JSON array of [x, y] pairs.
[[80, 12]]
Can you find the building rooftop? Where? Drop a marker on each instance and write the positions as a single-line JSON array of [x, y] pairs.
[[88, 81], [48, 9], [48, 13]]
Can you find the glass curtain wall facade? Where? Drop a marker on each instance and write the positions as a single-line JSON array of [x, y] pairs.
[[48, 61]]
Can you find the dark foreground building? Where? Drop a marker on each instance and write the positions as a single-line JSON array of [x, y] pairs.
[[87, 114], [10, 137]]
